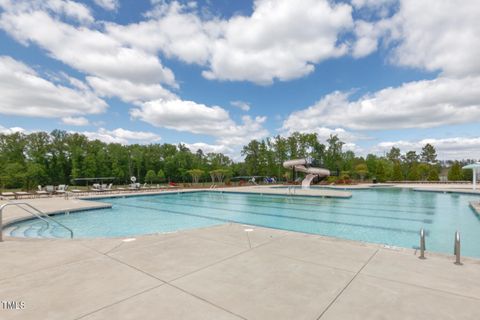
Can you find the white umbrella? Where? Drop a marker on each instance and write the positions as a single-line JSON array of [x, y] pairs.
[[474, 167]]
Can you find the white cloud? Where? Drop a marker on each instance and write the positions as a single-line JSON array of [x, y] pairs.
[[241, 105], [420, 104], [281, 40], [71, 9], [76, 121], [208, 148], [367, 38], [23, 92], [455, 148], [129, 91], [446, 39], [172, 30], [11, 130], [108, 61], [108, 4], [372, 3], [122, 136], [198, 118]]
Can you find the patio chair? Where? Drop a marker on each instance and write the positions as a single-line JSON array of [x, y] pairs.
[[41, 192], [61, 189], [8, 194], [22, 194], [97, 187], [50, 189]]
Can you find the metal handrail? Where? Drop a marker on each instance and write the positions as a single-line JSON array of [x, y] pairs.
[[456, 248], [422, 244], [39, 216]]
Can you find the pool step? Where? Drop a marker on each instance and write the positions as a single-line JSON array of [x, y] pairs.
[[19, 231], [37, 230]]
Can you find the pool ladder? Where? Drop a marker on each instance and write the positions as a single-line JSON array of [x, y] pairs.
[[456, 248], [291, 190], [39, 214]]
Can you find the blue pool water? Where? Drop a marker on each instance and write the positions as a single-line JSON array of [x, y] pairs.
[[387, 216]]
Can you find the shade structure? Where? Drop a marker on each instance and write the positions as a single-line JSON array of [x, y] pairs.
[[475, 167]]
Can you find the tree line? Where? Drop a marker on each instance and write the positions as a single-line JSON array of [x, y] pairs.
[[265, 157], [39, 158], [59, 157]]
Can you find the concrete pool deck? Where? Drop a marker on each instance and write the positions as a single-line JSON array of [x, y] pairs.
[[230, 271]]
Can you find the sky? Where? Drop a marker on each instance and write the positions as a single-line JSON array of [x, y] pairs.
[[215, 74]]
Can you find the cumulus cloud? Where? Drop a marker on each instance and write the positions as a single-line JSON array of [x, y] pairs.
[[241, 105], [11, 130], [445, 40], [108, 61], [173, 30], [23, 92], [71, 9], [198, 118], [189, 116], [107, 4], [455, 148], [122, 136], [420, 104], [208, 148], [129, 91], [76, 121], [280, 40]]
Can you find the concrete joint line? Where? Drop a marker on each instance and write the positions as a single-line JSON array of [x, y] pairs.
[[348, 284]]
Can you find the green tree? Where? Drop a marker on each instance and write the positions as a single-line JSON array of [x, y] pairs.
[[161, 175], [394, 154], [411, 157], [195, 174], [423, 171], [35, 175], [413, 173], [467, 174], [429, 154], [455, 173], [381, 173], [397, 174], [151, 176], [433, 174], [362, 170], [333, 156]]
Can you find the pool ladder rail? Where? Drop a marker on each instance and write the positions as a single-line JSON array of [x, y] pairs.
[[456, 248], [291, 190], [36, 213]]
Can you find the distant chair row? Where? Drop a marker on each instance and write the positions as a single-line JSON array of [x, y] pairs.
[[62, 189], [47, 191]]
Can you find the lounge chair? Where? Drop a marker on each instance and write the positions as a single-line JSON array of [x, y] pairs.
[[134, 186], [97, 188], [50, 189], [109, 187], [8, 194], [61, 189], [41, 192], [21, 194]]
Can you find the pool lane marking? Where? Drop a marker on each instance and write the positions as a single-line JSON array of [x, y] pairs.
[[309, 199], [309, 203], [278, 216], [427, 221]]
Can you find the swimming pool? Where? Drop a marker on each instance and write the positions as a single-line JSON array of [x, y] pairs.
[[388, 216]]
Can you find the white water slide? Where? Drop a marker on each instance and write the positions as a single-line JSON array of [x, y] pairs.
[[301, 165]]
